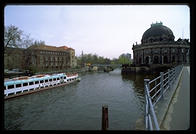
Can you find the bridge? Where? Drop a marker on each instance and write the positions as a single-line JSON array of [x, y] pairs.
[[105, 67], [167, 105]]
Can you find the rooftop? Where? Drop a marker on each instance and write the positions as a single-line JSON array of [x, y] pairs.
[[50, 48]]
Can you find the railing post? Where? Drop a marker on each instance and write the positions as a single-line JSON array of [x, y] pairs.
[[174, 69], [161, 86], [146, 83], [175, 72], [151, 108], [105, 117], [169, 78]]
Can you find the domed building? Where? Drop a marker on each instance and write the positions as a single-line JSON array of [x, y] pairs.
[[159, 47]]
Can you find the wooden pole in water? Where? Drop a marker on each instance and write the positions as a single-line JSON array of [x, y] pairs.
[[105, 117]]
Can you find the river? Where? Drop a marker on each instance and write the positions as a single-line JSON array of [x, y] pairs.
[[78, 106]]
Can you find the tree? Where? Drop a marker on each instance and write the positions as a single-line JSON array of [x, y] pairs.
[[12, 36], [123, 59], [40, 42], [15, 38], [25, 42]]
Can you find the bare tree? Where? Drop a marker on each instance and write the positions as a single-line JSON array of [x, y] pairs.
[[26, 41], [12, 36]]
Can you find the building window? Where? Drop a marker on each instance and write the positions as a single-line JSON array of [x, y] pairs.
[[165, 50]]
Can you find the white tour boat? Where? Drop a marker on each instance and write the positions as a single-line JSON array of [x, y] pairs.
[[25, 85]]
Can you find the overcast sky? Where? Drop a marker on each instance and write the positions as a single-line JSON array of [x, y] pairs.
[[105, 30]]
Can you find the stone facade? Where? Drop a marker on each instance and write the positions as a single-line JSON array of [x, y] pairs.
[[44, 57], [158, 47]]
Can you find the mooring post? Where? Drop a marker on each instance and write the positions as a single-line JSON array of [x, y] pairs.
[[105, 117]]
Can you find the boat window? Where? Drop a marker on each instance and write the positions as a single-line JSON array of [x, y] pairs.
[[18, 85], [57, 78], [65, 77], [36, 82], [54, 79], [31, 83], [61, 77], [25, 84], [50, 79], [10, 86], [41, 81], [46, 80]]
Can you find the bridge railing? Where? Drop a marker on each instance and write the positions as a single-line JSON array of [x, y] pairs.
[[154, 91]]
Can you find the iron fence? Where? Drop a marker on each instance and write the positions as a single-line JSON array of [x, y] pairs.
[[154, 91]]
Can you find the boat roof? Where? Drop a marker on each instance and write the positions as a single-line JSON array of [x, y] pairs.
[[32, 79]]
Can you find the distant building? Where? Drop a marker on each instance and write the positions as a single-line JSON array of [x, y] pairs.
[[158, 47], [42, 57]]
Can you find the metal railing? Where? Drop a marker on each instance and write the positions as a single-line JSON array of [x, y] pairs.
[[154, 91]]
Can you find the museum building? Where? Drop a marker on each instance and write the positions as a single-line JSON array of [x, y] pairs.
[[159, 47]]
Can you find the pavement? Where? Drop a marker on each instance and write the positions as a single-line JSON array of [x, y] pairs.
[[178, 114], [173, 111]]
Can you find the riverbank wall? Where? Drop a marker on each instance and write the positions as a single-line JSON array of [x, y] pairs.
[[145, 69]]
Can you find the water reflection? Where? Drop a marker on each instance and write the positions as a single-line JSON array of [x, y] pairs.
[[137, 82]]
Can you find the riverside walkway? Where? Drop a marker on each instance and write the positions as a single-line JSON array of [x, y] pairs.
[[178, 114], [173, 111]]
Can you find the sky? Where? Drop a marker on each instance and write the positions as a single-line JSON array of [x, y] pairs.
[[105, 30]]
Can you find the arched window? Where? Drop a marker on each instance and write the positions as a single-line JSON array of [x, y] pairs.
[[140, 60], [147, 60], [173, 59], [165, 60], [156, 60]]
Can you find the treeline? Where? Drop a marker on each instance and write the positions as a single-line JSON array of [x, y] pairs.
[[95, 59]]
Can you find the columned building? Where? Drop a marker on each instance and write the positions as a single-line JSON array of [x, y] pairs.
[[158, 47]]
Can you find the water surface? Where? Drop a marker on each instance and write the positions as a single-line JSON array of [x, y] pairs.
[[78, 106]]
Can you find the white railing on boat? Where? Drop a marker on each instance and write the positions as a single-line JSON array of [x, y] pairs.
[[18, 85]]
